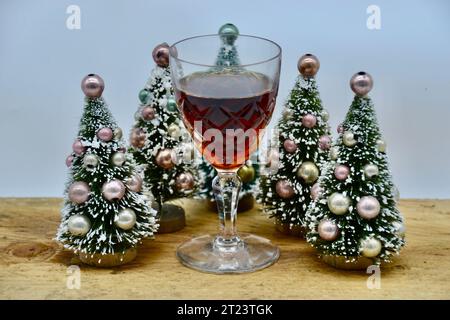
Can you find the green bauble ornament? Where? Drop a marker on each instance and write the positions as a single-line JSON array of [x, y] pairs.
[[171, 105], [229, 33], [143, 96]]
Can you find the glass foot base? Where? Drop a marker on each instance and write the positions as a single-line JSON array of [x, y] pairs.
[[211, 254]]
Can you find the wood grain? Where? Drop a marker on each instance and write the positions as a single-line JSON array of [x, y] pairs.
[[33, 266]]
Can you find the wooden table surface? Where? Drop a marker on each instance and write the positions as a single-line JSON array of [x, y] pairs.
[[33, 266]]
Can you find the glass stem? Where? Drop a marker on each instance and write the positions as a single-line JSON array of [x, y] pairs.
[[226, 187]]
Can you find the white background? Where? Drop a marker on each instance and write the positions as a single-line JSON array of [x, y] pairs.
[[42, 63]]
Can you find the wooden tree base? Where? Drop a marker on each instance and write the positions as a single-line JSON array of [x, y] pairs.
[[294, 231], [108, 260], [361, 263], [172, 218]]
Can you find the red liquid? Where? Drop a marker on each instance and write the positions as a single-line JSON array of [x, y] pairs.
[[214, 103]]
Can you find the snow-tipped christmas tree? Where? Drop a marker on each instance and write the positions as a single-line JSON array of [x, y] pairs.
[[158, 138], [228, 58], [105, 214], [354, 221], [298, 154]]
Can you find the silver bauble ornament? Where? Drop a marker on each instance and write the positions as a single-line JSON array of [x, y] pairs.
[[78, 225], [325, 115], [184, 181], [308, 171], [370, 170], [113, 190], [118, 133], [334, 153], [161, 55], [328, 230], [166, 158], [174, 131], [118, 159], [90, 161], [338, 203], [368, 207], [381, 145], [308, 65], [370, 247], [125, 219], [79, 192], [135, 183], [399, 228], [284, 189], [348, 138], [361, 83], [92, 85]]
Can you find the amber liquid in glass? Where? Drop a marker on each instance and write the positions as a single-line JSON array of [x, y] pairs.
[[226, 113]]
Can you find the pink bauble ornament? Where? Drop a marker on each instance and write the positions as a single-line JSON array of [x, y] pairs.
[[368, 207], [166, 158], [105, 134], [340, 128], [148, 113], [361, 83], [184, 181], [341, 172], [79, 192], [328, 230], [137, 137], [69, 160], [113, 190], [309, 120], [161, 55], [289, 146], [78, 147], [316, 191], [135, 183], [92, 85], [325, 142], [308, 65], [284, 189]]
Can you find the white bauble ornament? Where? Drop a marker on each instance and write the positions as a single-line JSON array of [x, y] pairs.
[[90, 161], [348, 138], [370, 170], [338, 203], [125, 219], [381, 145], [118, 159], [78, 225], [370, 247]]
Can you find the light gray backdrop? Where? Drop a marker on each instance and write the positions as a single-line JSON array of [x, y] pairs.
[[42, 63]]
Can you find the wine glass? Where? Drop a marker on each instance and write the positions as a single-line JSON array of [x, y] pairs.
[[226, 109]]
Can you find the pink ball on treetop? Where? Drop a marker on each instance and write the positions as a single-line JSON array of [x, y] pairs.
[[361, 83], [161, 55], [92, 85], [309, 120]]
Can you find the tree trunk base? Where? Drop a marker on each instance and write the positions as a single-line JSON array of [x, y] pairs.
[[339, 262], [295, 231], [108, 260], [172, 218]]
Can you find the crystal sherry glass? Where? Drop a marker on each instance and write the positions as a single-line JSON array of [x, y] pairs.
[[226, 109]]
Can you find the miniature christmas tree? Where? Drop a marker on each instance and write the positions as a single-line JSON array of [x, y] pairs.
[[160, 143], [105, 215], [354, 221], [299, 154], [249, 173]]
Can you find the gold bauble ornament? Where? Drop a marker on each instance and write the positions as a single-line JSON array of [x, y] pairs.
[[370, 247], [246, 173], [338, 203], [308, 171]]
